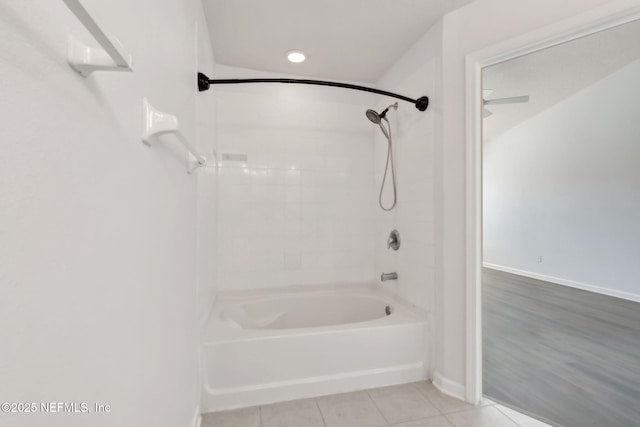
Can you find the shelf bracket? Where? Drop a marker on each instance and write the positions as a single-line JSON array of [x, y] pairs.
[[158, 123], [84, 59]]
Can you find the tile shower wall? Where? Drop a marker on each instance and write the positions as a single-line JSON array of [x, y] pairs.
[[295, 185], [413, 136]]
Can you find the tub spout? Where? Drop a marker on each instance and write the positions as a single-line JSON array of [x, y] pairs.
[[388, 276]]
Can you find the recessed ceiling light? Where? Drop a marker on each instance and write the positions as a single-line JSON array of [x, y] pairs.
[[295, 56]]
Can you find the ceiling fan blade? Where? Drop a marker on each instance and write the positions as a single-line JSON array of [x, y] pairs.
[[486, 113], [513, 100]]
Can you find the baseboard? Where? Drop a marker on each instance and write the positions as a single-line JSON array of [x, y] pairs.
[[448, 386], [558, 281]]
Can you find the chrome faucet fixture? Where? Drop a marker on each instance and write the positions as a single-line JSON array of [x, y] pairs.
[[393, 242], [389, 276]]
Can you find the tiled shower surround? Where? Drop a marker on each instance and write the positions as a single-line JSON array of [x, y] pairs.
[[298, 203], [299, 209]]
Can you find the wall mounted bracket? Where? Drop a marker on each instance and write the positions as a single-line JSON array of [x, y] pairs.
[[84, 59], [157, 123]]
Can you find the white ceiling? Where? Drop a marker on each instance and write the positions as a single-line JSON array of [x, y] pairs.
[[552, 75], [356, 40]]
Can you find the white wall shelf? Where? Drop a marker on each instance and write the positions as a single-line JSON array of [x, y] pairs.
[[86, 60]]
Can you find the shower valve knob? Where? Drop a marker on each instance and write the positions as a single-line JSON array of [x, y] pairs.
[[393, 242]]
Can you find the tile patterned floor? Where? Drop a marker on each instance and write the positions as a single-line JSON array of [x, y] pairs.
[[409, 405]]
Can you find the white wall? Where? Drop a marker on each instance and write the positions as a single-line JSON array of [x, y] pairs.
[[564, 186], [97, 230], [414, 74], [471, 28], [207, 183], [299, 210]]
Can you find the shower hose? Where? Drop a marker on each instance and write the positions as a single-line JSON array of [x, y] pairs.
[[387, 133]]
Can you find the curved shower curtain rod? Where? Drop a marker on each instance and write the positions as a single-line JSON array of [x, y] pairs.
[[205, 82]]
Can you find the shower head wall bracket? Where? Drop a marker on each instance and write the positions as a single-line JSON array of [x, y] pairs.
[[204, 83]]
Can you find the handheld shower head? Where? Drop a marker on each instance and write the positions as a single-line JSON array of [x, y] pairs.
[[376, 118]]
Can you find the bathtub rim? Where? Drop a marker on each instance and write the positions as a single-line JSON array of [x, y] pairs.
[[217, 331], [229, 313]]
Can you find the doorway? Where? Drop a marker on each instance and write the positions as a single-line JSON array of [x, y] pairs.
[[560, 281]]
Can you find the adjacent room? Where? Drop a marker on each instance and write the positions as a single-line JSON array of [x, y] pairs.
[[561, 195]]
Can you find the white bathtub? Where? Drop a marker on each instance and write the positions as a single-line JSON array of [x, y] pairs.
[[267, 346]]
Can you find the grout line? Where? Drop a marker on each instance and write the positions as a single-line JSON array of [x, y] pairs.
[[448, 420], [475, 408], [425, 396], [375, 405], [321, 414], [260, 415], [432, 402], [507, 415], [526, 414]]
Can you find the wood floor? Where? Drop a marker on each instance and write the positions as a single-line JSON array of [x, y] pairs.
[[568, 356]]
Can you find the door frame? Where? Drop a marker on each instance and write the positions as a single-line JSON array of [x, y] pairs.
[[593, 21]]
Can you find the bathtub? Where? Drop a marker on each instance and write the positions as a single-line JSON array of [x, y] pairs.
[[288, 343]]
